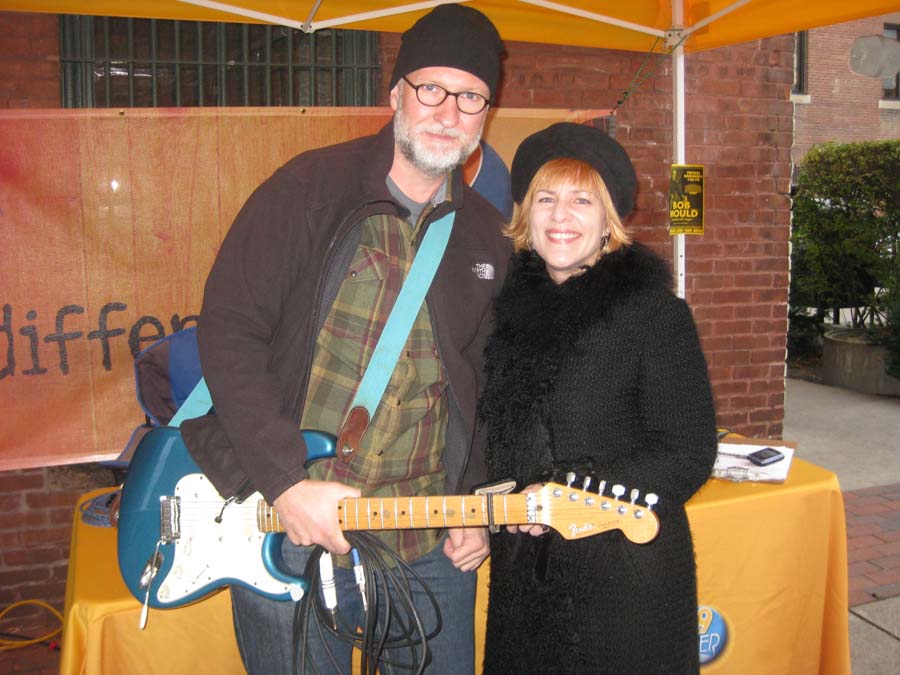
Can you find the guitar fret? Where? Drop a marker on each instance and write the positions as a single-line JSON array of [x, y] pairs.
[[427, 513], [444, 508], [411, 512], [462, 508], [382, 513]]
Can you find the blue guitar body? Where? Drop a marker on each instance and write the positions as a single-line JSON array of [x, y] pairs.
[[179, 540]]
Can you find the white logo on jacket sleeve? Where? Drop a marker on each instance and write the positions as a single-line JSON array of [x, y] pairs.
[[483, 270]]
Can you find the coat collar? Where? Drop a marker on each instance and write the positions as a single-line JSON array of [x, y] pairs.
[[616, 276]]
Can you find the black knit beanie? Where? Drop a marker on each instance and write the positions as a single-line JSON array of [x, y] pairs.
[[452, 36], [575, 141]]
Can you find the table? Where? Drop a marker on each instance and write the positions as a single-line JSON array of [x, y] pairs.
[[772, 585]]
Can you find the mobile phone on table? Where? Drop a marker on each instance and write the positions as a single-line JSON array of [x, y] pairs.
[[765, 456]]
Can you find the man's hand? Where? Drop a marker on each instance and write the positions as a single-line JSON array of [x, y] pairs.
[[467, 547], [309, 513]]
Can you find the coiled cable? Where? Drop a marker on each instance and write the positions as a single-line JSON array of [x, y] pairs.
[[392, 627]]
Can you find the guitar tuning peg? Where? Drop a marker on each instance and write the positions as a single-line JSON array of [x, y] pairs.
[[652, 499], [570, 478], [634, 495], [601, 487], [618, 490], [586, 483]]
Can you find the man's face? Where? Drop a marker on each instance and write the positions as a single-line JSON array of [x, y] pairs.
[[437, 139]]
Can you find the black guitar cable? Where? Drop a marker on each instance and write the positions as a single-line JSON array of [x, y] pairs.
[[391, 619]]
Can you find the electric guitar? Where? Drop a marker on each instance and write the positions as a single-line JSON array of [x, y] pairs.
[[179, 540]]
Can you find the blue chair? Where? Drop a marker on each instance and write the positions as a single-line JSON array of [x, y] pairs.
[[165, 373]]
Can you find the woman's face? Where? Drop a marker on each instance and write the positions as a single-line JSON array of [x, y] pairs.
[[567, 225]]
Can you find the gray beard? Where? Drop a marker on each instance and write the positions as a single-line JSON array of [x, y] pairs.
[[427, 161]]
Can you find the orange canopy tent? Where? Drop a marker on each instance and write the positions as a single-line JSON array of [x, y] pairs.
[[613, 24]]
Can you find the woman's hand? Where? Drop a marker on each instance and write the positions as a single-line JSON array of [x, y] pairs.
[[533, 530]]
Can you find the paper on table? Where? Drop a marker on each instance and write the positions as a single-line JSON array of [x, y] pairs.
[[732, 463]]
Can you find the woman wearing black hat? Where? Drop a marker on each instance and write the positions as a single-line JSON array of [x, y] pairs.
[[594, 367]]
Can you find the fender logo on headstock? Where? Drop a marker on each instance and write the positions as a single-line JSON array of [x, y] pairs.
[[577, 531]]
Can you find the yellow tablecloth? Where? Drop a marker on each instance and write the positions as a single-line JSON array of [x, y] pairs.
[[772, 569], [772, 560]]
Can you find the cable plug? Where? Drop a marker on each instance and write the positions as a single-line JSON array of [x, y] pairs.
[[360, 575], [326, 573]]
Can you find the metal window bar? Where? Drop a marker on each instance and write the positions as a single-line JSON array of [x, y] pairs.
[[891, 85], [801, 52], [89, 71]]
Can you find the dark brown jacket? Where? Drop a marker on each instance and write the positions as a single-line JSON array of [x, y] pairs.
[[272, 285]]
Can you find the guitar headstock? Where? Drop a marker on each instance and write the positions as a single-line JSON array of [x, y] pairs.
[[577, 513]]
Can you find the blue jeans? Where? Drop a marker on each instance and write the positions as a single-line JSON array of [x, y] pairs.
[[263, 627]]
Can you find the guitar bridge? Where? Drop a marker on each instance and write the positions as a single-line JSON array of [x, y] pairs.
[[169, 519]]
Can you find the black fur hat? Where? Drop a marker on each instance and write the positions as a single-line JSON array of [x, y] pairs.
[[575, 141], [452, 36]]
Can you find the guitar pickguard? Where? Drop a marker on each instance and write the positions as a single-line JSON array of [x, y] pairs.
[[215, 545]]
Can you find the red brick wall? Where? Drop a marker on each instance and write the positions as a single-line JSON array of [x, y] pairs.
[[36, 511], [29, 61], [842, 106], [738, 125]]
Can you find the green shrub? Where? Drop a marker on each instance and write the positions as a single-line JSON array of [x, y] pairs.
[[846, 236]]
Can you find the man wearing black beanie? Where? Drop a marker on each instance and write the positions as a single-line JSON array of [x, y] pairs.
[[294, 305]]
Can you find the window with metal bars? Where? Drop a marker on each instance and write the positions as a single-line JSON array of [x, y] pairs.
[[891, 85], [119, 62], [801, 53]]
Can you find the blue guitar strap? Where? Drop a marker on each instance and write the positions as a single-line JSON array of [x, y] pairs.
[[196, 404], [384, 357], [393, 337]]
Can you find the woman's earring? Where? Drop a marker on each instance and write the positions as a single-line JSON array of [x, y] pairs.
[[604, 240]]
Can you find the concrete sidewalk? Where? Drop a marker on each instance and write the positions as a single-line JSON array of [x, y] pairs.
[[857, 436]]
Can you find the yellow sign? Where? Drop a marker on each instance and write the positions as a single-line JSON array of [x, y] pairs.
[[686, 199]]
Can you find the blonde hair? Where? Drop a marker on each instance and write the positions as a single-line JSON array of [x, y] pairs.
[[571, 172]]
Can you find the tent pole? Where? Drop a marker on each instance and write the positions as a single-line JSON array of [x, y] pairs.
[[678, 134]]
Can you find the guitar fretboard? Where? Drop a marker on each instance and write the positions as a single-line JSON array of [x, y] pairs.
[[410, 513], [573, 513]]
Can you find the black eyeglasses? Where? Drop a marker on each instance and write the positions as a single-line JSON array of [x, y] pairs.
[[432, 95]]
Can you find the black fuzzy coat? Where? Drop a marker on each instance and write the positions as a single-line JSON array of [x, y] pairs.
[[602, 373]]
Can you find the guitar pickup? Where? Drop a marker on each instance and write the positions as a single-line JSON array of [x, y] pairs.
[[169, 519]]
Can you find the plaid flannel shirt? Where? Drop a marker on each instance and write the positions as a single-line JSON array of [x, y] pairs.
[[400, 453]]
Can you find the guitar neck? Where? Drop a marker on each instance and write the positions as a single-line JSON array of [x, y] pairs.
[[410, 513]]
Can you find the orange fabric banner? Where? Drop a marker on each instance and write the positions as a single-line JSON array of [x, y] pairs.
[[109, 223]]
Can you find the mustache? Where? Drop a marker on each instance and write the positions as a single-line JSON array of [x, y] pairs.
[[437, 130]]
